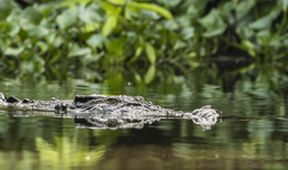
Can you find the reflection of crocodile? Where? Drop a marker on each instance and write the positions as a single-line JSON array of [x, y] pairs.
[[97, 111]]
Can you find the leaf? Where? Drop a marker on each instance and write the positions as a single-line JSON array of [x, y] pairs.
[[285, 5], [138, 78], [249, 47], [13, 51], [243, 8], [109, 25], [264, 37], [162, 11], [79, 51], [188, 32], [138, 52], [117, 2], [6, 7], [262, 23], [42, 46], [150, 52], [266, 21], [66, 19], [150, 74], [53, 40], [213, 23], [170, 3], [90, 14], [33, 15], [110, 9], [95, 40], [38, 31], [87, 28], [71, 3], [9, 28]]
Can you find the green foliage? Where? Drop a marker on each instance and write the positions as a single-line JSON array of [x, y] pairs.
[[213, 23], [76, 33], [96, 34]]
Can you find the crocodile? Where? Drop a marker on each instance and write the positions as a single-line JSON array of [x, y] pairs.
[[100, 111]]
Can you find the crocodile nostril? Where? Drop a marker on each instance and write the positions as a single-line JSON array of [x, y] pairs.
[[26, 100]]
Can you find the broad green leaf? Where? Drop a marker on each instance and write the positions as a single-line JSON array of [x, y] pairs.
[[38, 31], [150, 15], [137, 78], [138, 52], [43, 46], [188, 32], [71, 3], [264, 37], [109, 25], [179, 44], [244, 7], [33, 15], [129, 13], [150, 52], [150, 74], [146, 6], [262, 23], [14, 51], [6, 7], [213, 24], [266, 21], [54, 40], [249, 47], [285, 5], [170, 3], [95, 40], [110, 9], [9, 28], [14, 29], [117, 2], [67, 19], [90, 14], [80, 51], [87, 28], [172, 25]]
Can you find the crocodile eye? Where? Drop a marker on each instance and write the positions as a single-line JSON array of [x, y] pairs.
[[12, 99]]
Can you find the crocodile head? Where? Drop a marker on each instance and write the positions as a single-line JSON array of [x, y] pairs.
[[205, 116]]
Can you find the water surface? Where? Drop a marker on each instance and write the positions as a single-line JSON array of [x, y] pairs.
[[254, 134]]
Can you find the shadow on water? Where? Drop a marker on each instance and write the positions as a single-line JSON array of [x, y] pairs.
[[252, 134]]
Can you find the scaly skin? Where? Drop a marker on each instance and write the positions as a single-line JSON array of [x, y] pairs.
[[97, 111]]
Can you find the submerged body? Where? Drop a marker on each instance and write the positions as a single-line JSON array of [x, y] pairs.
[[100, 111]]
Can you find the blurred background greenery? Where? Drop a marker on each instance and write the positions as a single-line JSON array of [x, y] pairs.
[[86, 38]]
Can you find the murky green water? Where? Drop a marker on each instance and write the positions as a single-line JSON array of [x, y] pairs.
[[253, 136]]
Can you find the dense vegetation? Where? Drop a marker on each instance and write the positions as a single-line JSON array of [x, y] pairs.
[[41, 36]]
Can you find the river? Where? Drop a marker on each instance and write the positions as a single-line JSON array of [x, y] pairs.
[[252, 135]]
